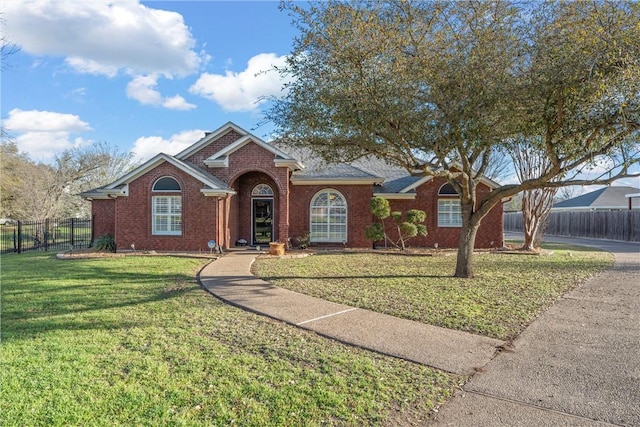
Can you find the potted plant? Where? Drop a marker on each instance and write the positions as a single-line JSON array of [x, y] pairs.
[[276, 248]]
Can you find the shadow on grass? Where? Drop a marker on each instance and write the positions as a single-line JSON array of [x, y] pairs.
[[40, 293]]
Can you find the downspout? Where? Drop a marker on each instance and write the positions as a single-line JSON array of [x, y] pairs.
[[227, 214]]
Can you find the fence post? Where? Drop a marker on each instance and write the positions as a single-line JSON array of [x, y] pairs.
[[93, 230], [72, 233], [45, 234], [19, 237]]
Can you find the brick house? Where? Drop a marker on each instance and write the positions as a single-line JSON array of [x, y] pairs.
[[231, 186]]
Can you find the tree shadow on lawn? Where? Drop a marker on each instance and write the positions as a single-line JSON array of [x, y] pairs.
[[52, 300]]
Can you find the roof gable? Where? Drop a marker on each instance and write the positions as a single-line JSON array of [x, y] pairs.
[[212, 185], [208, 138], [221, 158]]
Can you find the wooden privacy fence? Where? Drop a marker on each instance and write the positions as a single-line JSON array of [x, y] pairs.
[[50, 234], [612, 225]]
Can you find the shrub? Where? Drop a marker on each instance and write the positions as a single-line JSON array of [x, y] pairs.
[[105, 243], [304, 240], [408, 224]]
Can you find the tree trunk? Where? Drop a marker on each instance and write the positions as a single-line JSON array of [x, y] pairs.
[[536, 205], [464, 264], [531, 227]]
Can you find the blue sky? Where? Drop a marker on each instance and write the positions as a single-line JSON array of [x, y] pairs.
[[146, 76]]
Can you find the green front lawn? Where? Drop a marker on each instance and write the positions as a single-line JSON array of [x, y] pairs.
[[509, 292], [135, 341]]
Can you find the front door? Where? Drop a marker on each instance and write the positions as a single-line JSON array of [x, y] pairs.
[[262, 223]]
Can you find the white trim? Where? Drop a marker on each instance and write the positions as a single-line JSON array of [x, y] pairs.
[[396, 196], [158, 160], [153, 187], [263, 185], [211, 192], [450, 213], [334, 181], [218, 163], [328, 239], [169, 216], [209, 137], [285, 160], [486, 181], [292, 164]]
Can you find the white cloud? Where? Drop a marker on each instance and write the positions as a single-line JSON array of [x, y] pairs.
[[43, 134], [243, 91], [148, 146], [44, 121], [177, 103], [143, 89], [102, 37]]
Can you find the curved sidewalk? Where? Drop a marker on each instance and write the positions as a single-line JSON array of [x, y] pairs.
[[229, 278]]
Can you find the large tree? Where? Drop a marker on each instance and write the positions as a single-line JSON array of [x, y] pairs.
[[443, 87], [36, 191]]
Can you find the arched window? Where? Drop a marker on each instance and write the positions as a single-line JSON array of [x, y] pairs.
[[166, 210], [328, 217], [166, 183], [449, 213], [262, 190]]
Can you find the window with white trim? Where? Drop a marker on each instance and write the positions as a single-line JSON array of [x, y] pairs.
[[449, 212], [328, 217], [166, 210], [262, 190]]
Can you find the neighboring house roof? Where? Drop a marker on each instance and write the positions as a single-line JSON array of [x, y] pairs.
[[212, 185], [604, 198]]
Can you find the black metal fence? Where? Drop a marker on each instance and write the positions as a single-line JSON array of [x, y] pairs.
[[612, 225], [50, 234]]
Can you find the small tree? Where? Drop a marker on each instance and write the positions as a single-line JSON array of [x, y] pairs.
[[380, 209], [408, 224], [530, 161]]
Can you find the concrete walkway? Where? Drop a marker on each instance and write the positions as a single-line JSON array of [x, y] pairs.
[[229, 278], [577, 365]]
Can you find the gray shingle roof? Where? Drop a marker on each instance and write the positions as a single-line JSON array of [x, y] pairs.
[[316, 168], [604, 198], [395, 185]]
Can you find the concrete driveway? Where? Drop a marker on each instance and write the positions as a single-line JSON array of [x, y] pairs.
[[577, 365]]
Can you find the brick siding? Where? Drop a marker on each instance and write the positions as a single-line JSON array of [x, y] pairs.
[[205, 218]]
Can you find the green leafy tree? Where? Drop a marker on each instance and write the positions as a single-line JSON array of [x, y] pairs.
[[444, 87], [408, 225]]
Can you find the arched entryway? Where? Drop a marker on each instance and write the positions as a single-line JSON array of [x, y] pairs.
[[255, 209]]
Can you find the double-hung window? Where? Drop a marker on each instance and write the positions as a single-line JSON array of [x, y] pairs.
[[167, 209], [449, 212]]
